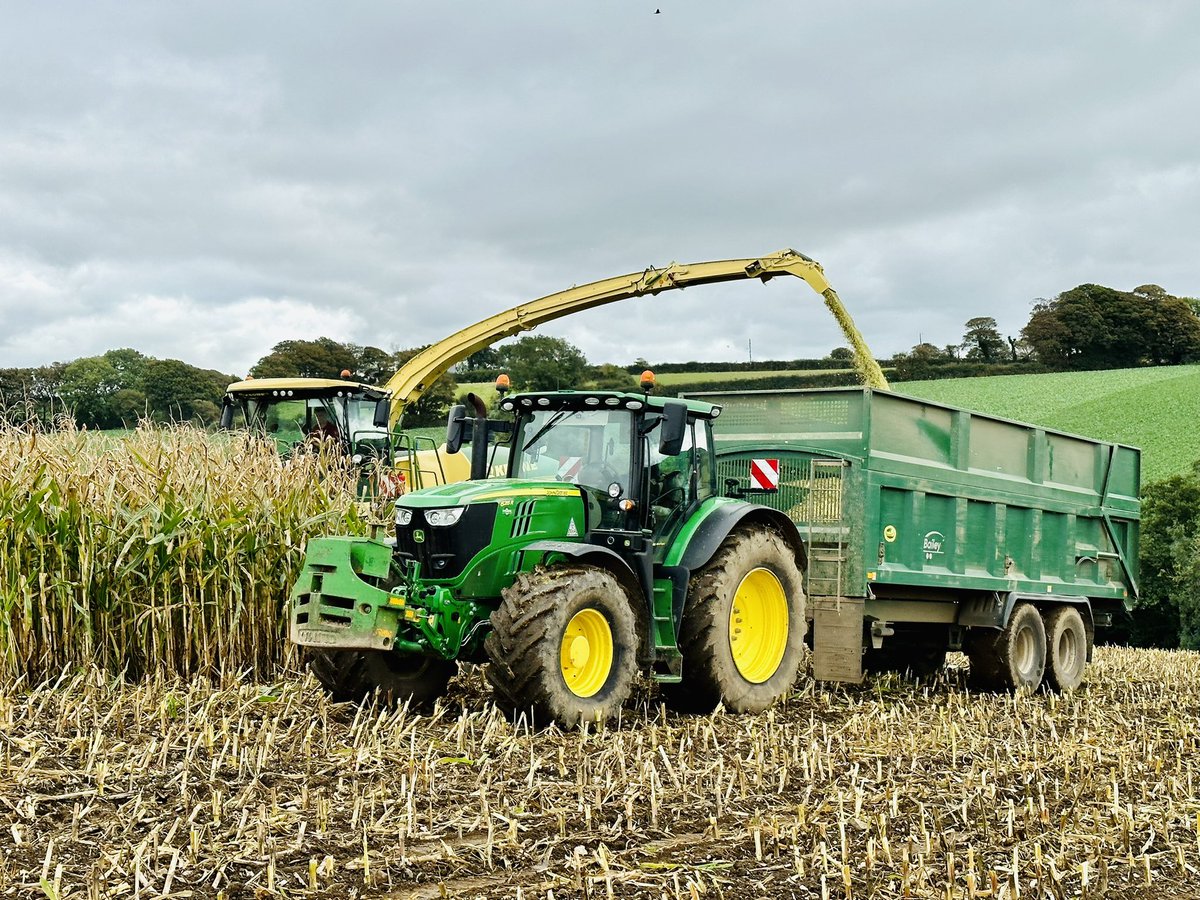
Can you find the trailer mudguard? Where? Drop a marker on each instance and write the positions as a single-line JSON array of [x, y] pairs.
[[994, 610]]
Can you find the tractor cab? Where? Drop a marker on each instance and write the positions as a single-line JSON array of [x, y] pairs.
[[641, 462], [299, 414]]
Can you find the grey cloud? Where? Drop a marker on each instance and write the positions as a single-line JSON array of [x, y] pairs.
[[395, 171]]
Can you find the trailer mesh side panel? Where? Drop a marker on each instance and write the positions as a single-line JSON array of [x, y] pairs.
[[813, 494]]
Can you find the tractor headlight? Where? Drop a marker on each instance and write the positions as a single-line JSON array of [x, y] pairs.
[[442, 517], [403, 516]]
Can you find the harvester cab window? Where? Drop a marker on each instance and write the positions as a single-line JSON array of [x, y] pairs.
[[366, 438], [321, 420], [283, 420]]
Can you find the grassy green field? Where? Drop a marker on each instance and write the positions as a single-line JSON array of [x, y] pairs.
[[1156, 409]]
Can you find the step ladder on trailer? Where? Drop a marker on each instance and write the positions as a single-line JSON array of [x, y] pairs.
[[837, 621]]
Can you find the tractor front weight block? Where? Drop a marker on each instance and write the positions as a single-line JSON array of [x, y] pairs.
[[335, 604]]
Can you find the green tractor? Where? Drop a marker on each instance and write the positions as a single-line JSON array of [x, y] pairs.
[[604, 553]]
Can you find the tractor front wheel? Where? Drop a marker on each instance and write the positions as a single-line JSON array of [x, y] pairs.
[[563, 645], [742, 636], [397, 677]]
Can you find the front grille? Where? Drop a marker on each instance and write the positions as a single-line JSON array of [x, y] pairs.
[[445, 551]]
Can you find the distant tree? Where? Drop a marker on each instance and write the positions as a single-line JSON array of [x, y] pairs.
[[919, 362], [322, 358], [544, 363], [372, 365], [1168, 606], [1097, 327], [487, 358], [31, 393], [129, 406], [44, 390], [87, 388], [982, 340], [607, 377], [130, 366], [843, 353], [1019, 349], [170, 389]]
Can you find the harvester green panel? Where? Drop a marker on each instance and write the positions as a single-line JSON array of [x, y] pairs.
[[896, 494]]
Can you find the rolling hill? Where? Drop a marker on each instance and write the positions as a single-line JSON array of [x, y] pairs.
[[1157, 409]]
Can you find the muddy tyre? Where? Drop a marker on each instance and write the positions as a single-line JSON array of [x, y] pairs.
[[1013, 658], [564, 646], [1066, 648], [742, 636], [352, 675]]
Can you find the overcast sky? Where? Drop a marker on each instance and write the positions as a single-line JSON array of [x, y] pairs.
[[202, 180]]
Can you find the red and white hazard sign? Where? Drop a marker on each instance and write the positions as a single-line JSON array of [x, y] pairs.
[[568, 467], [764, 474]]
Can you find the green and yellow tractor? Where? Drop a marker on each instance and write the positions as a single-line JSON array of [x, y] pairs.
[[605, 553]]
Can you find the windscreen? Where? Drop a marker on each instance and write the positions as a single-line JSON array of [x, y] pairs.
[[590, 447]]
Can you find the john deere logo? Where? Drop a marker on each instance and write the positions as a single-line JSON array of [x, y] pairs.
[[419, 536]]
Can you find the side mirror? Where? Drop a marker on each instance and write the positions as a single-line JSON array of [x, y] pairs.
[[455, 426], [673, 429], [227, 416], [383, 411]]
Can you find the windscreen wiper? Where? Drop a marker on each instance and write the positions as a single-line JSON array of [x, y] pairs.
[[559, 416]]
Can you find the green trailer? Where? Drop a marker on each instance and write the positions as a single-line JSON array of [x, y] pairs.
[[930, 528]]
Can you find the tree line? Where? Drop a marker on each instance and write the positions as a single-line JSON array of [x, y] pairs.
[[116, 389], [1088, 327]]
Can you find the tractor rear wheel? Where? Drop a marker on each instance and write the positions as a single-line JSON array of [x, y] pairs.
[[1066, 648], [397, 677], [563, 646], [742, 636], [1013, 658]]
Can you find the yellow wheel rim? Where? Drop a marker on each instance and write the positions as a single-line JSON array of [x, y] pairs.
[[758, 625], [586, 654]]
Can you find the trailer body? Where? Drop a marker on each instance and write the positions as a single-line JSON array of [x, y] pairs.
[[926, 520]]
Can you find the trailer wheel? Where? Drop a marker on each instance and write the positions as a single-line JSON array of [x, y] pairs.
[[742, 636], [1066, 648], [397, 677], [563, 645], [1013, 658]]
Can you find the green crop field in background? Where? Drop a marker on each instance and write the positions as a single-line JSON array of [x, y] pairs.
[[1157, 409]]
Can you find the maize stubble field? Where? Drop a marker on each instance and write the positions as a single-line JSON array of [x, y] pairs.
[[891, 789], [215, 767]]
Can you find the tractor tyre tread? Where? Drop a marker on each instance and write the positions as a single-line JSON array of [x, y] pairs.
[[353, 675], [524, 646], [710, 675]]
